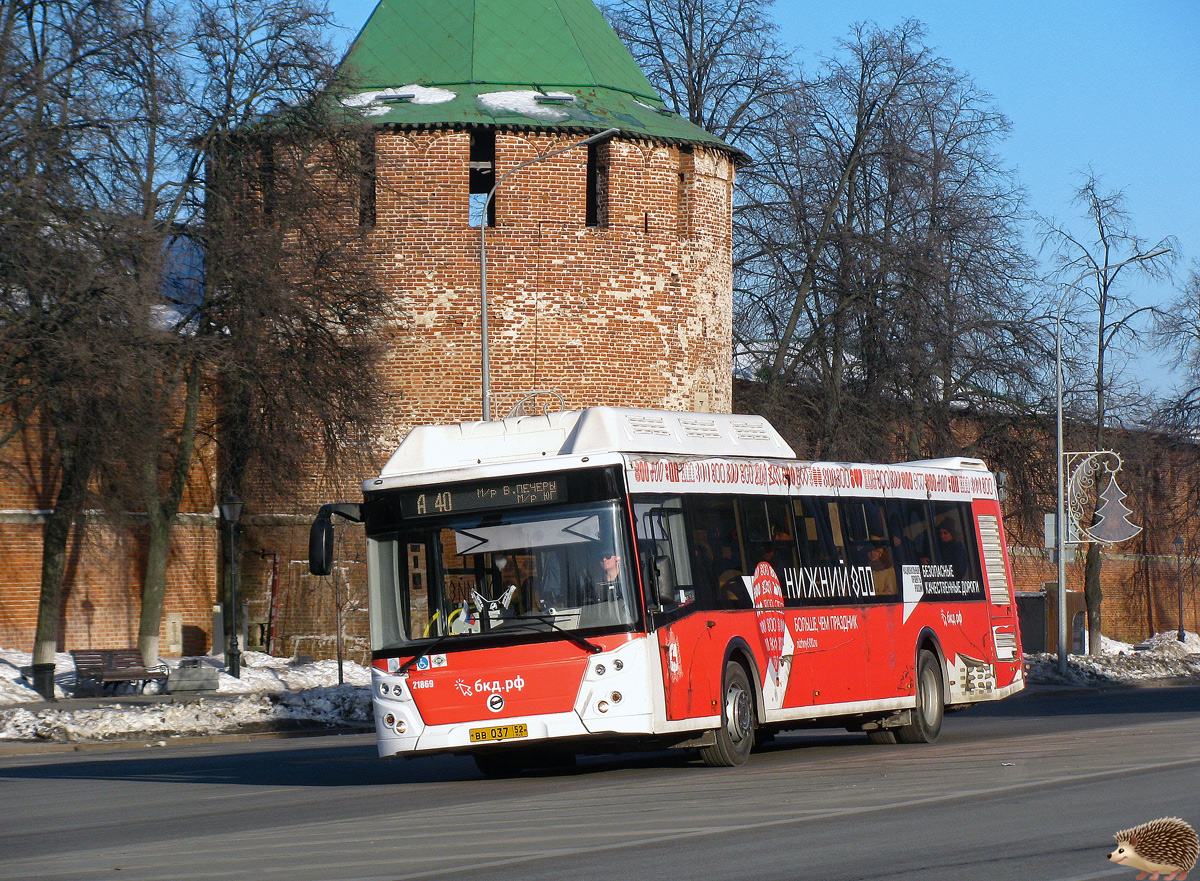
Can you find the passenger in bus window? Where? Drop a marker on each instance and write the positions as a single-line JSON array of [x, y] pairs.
[[950, 550], [769, 553], [883, 573], [733, 593]]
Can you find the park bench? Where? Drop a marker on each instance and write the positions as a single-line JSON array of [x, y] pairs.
[[104, 670]]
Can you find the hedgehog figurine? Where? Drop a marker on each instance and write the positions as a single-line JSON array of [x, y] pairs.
[[1161, 847]]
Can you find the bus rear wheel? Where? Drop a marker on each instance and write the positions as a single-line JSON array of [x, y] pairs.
[[735, 737], [926, 717]]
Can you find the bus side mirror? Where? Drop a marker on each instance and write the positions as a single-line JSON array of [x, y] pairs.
[[320, 536]]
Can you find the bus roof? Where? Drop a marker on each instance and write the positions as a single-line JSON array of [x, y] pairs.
[[595, 430]]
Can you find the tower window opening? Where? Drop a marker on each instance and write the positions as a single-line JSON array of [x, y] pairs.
[[366, 182], [597, 185], [683, 207], [482, 176]]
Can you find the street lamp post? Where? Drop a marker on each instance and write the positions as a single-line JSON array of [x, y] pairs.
[[485, 357], [1060, 516], [1178, 542], [231, 513]]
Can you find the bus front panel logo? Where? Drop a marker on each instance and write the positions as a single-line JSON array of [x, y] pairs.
[[495, 702]]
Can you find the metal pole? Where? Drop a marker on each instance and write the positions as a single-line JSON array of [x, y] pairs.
[[1060, 516], [1179, 577], [485, 370], [235, 655]]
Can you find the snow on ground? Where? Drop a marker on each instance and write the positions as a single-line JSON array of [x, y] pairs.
[[271, 693], [275, 692], [1163, 657]]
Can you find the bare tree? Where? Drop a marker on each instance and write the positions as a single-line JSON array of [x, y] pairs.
[[66, 316], [136, 283], [1095, 265], [717, 63], [280, 324], [878, 255], [1177, 331]]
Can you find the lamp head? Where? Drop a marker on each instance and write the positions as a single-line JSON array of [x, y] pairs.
[[231, 508]]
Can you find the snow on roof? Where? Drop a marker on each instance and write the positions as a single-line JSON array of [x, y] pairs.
[[525, 103], [377, 102]]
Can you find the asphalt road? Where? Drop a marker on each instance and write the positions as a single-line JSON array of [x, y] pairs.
[[1031, 788]]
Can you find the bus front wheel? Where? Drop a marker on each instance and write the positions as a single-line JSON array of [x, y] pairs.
[[926, 722], [735, 737]]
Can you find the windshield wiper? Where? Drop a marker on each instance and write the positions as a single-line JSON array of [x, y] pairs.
[[548, 618], [429, 649]]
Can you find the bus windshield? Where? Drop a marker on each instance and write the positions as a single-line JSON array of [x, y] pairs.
[[508, 571]]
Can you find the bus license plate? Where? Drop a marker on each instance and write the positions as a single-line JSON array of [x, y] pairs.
[[499, 732]]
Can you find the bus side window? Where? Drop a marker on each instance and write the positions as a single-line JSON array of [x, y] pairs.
[[718, 550], [868, 544], [956, 546], [663, 552], [912, 531], [768, 533], [783, 534], [814, 532]]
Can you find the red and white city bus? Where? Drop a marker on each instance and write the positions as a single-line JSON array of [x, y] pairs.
[[607, 578]]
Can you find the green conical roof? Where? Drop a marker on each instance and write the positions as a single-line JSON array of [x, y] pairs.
[[543, 64]]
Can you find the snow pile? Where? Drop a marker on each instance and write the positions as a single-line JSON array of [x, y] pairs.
[[525, 103], [14, 691], [1161, 657], [272, 693], [376, 103]]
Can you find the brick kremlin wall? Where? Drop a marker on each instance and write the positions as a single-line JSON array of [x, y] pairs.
[[1141, 593], [105, 562], [638, 313]]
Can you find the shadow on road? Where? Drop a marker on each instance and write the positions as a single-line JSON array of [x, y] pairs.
[[327, 762], [1138, 700]]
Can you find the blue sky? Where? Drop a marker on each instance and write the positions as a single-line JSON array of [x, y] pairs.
[[1110, 84]]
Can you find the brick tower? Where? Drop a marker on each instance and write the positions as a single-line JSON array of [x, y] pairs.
[[608, 266]]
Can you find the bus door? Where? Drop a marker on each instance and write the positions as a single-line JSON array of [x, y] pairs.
[[1006, 636], [830, 626], [677, 602]]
